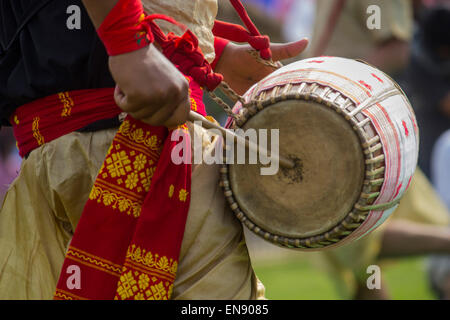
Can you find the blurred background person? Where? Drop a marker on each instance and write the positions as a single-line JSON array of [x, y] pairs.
[[439, 266], [276, 9], [426, 79], [440, 167], [299, 20], [266, 14], [9, 160], [342, 28]]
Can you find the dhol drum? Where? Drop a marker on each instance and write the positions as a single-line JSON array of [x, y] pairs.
[[353, 136]]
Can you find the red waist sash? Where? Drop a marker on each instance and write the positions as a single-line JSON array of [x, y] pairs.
[[127, 242], [49, 118]]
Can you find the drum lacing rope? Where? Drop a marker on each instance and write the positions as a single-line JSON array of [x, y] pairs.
[[261, 50], [268, 63], [185, 53], [225, 107], [378, 207]]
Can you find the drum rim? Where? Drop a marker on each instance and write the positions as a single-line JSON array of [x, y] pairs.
[[356, 217]]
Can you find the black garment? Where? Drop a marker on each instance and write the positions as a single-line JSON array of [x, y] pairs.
[[426, 80], [46, 57]]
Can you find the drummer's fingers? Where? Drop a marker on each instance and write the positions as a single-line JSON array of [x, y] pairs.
[[282, 51]]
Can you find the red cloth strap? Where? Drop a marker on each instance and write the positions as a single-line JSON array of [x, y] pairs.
[[184, 52], [238, 33], [237, 4]]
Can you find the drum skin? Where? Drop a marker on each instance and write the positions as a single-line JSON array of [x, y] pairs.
[[353, 136], [329, 181]]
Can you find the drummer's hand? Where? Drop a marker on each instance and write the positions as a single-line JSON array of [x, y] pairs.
[[150, 88], [241, 70]]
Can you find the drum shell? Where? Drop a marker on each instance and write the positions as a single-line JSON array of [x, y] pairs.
[[375, 107]]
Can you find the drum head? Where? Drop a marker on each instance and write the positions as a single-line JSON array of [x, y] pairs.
[[316, 195]]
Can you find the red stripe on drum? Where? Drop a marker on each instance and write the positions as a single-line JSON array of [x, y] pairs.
[[398, 190], [382, 120], [406, 128], [263, 85], [377, 77], [397, 143]]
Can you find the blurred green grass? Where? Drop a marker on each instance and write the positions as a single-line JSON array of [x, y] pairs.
[[298, 279]]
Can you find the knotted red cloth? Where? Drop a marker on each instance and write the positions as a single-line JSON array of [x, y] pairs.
[[127, 28], [184, 52]]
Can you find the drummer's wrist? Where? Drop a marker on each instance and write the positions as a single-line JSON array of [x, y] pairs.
[[219, 47], [98, 10]]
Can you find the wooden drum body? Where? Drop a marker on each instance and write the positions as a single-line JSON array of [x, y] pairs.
[[353, 136]]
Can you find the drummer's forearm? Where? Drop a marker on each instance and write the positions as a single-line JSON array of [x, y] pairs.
[[99, 9], [390, 57], [404, 238]]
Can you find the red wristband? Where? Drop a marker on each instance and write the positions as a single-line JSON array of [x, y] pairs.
[[121, 31], [219, 47]]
